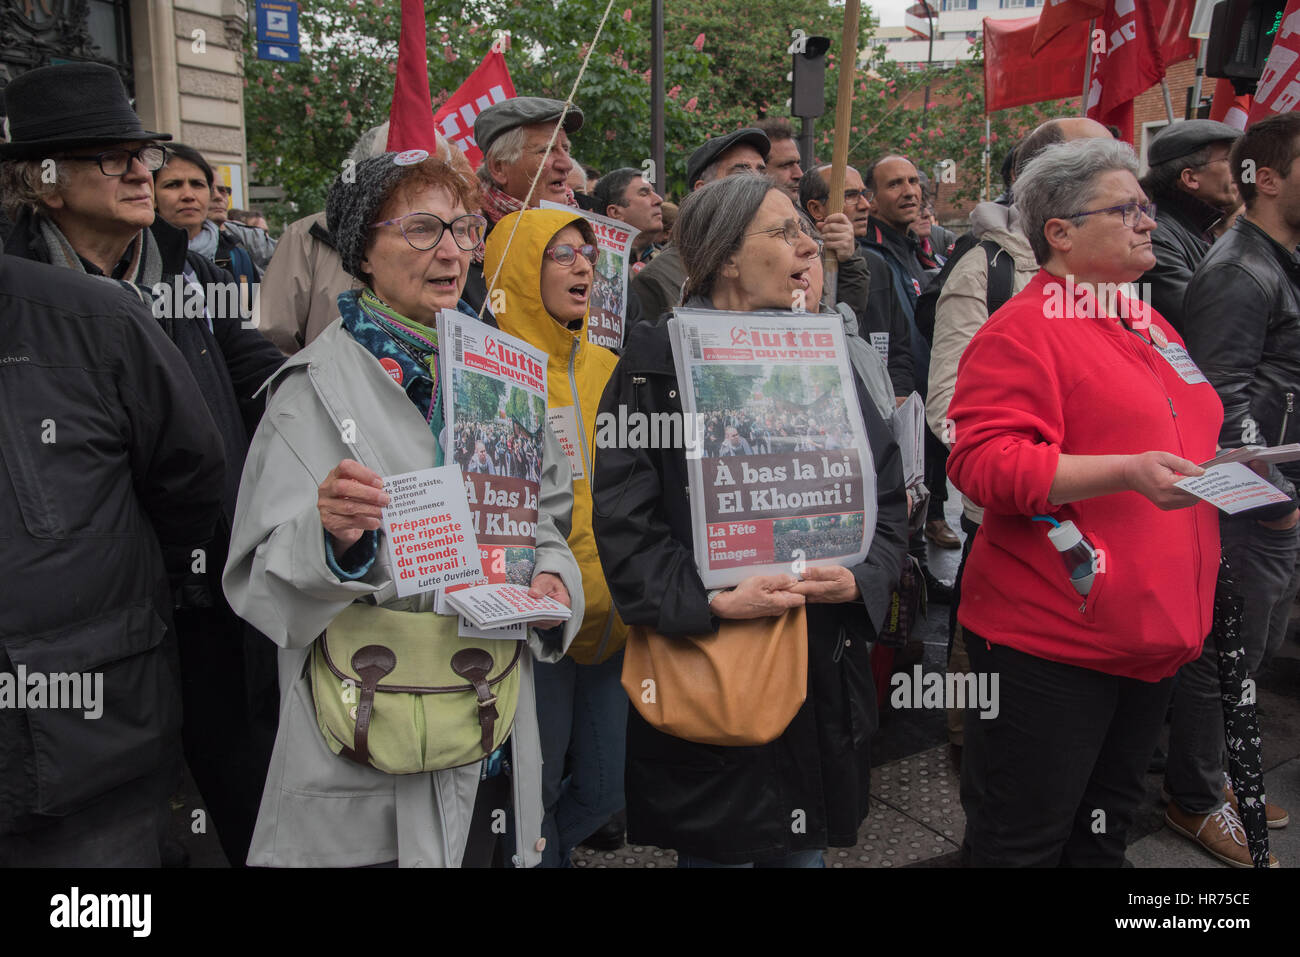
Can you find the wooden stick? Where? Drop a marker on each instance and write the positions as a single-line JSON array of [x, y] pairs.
[[843, 118]]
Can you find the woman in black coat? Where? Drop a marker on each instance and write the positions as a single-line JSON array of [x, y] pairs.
[[779, 804]]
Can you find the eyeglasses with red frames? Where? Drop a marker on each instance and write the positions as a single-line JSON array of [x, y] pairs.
[[564, 254], [424, 230]]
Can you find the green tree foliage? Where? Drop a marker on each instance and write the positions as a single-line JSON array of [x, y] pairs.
[[725, 66], [478, 396]]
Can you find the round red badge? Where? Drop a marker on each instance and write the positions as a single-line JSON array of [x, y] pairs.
[[392, 368], [1158, 337], [410, 157]]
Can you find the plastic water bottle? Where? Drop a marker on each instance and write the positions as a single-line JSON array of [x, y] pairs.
[[1077, 553]]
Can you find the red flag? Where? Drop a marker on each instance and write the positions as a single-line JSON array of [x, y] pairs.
[[1014, 77], [1129, 63], [410, 119], [488, 84], [1059, 14], [1279, 84], [1228, 107]]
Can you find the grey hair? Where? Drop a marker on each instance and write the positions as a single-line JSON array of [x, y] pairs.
[[1062, 180], [373, 142], [506, 148], [23, 184], [1163, 177], [711, 226]]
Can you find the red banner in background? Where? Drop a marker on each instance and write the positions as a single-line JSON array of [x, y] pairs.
[[1059, 14], [488, 84], [1130, 62], [1279, 84]]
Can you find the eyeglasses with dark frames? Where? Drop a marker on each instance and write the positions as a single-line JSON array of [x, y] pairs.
[[564, 254], [424, 230], [790, 230], [1131, 212], [116, 162]]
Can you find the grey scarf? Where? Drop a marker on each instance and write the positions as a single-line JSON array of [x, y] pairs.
[[205, 243], [144, 270]]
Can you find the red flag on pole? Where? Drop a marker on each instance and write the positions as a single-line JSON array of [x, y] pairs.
[[1279, 84], [410, 119], [1013, 76], [490, 83], [1129, 63], [1059, 14]]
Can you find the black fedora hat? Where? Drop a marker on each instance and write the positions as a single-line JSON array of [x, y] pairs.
[[74, 104]]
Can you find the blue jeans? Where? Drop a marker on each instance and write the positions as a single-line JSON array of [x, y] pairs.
[[582, 713], [797, 859]]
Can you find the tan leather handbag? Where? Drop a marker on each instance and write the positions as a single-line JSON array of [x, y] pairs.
[[739, 687]]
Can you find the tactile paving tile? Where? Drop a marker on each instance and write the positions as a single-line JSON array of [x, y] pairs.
[[925, 788]]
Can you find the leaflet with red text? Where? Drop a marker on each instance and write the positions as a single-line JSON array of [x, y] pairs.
[[429, 532]]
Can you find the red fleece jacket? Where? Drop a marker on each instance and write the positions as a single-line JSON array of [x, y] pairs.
[[1034, 384]]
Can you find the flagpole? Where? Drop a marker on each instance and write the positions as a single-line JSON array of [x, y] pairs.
[[848, 64], [1087, 64], [1169, 106], [1200, 79], [657, 97]]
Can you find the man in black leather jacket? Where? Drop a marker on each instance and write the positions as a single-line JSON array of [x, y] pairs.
[[1242, 327], [1190, 182]]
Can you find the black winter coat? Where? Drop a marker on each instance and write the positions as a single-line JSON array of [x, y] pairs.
[[807, 789], [866, 285], [1180, 241], [106, 455]]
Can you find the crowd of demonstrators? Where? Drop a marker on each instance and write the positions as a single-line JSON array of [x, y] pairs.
[[739, 256], [581, 705], [98, 219], [351, 293], [497, 448]]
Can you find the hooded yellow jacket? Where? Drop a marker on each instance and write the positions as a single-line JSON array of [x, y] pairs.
[[576, 373]]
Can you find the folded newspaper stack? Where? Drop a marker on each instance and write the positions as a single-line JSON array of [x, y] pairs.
[[495, 606]]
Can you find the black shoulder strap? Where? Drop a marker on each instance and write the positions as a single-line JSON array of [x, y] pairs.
[[1002, 274]]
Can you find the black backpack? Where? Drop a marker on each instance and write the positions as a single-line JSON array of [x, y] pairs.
[[1002, 274]]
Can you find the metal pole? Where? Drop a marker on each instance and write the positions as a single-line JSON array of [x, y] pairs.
[[806, 142], [988, 160], [1169, 106], [657, 96], [1087, 65], [1200, 78], [929, 61]]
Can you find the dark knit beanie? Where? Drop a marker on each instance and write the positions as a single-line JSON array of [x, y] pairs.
[[353, 206]]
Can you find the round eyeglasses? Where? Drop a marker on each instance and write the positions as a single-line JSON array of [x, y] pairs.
[[424, 230], [117, 162], [790, 230], [564, 254]]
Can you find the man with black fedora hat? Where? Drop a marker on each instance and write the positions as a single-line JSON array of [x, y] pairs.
[[658, 287], [76, 177], [1190, 181]]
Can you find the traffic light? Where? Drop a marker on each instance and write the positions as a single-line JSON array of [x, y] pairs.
[[1241, 35], [808, 98]]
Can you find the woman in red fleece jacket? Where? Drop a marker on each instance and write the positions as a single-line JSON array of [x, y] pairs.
[[1076, 403]]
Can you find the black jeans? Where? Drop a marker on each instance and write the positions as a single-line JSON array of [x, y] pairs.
[[1059, 770]]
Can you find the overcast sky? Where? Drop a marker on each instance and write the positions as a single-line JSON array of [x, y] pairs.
[[890, 12]]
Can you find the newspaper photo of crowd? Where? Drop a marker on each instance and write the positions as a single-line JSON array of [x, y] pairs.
[[820, 536]]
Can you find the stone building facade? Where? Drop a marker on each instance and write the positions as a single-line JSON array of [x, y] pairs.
[[181, 60]]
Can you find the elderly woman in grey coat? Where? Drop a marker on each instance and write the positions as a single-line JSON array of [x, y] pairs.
[[360, 402]]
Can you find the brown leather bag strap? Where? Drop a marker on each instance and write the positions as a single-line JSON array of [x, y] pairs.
[[371, 664], [474, 665]]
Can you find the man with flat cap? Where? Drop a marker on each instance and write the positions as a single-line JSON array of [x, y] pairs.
[[513, 136], [1190, 181], [658, 287], [98, 218]]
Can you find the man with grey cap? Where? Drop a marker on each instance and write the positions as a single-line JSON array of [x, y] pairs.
[[658, 287], [1190, 181], [513, 136]]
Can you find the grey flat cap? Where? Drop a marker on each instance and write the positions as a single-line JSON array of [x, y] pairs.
[[1188, 136], [521, 111], [715, 147]]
